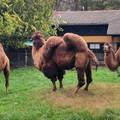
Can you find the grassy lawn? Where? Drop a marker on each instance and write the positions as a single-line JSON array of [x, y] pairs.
[[31, 97]]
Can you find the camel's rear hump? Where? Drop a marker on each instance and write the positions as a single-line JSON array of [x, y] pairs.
[[79, 44], [75, 41]]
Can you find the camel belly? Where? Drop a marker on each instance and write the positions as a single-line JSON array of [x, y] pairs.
[[64, 59]]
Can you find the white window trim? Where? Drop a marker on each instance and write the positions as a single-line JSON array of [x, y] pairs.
[[94, 46]]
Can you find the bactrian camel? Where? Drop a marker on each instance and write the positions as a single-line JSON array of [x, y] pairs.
[[57, 54]]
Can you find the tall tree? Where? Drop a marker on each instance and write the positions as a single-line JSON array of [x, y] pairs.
[[20, 18]]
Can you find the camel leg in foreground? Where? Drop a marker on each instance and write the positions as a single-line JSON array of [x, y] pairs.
[[6, 74], [54, 84]]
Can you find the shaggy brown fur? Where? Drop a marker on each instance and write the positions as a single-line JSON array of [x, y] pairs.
[[54, 56], [112, 59], [80, 44], [4, 66]]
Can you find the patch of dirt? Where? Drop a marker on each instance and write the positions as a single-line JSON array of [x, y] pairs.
[[100, 96]]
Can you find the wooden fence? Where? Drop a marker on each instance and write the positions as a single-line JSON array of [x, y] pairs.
[[23, 57], [20, 57]]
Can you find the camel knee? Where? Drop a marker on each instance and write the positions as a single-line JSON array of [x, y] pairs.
[[89, 78], [6, 74], [81, 83]]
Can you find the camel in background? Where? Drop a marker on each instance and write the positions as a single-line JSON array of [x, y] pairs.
[[58, 54], [112, 59], [4, 66]]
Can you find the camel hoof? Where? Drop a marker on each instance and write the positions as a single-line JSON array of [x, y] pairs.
[[76, 91], [54, 89]]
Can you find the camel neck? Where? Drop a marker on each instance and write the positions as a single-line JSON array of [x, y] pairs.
[[111, 61]]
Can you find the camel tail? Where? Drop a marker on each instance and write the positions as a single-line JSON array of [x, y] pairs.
[[96, 68], [93, 58]]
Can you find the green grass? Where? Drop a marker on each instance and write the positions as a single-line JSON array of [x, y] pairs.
[[30, 91]]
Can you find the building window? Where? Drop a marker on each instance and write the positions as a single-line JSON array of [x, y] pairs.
[[94, 46]]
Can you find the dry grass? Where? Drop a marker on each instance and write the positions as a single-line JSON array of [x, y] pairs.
[[99, 97]]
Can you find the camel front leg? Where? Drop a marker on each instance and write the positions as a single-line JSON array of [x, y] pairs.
[[60, 77], [6, 74], [54, 84], [61, 84]]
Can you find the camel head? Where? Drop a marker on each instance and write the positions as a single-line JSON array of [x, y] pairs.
[[108, 47], [38, 40]]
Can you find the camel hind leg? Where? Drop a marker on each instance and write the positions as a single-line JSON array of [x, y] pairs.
[[81, 80], [6, 74], [80, 64], [88, 72]]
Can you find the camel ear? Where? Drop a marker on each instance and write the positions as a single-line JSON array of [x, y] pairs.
[[33, 35], [106, 43]]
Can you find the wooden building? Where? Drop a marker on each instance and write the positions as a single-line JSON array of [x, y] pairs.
[[97, 27]]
